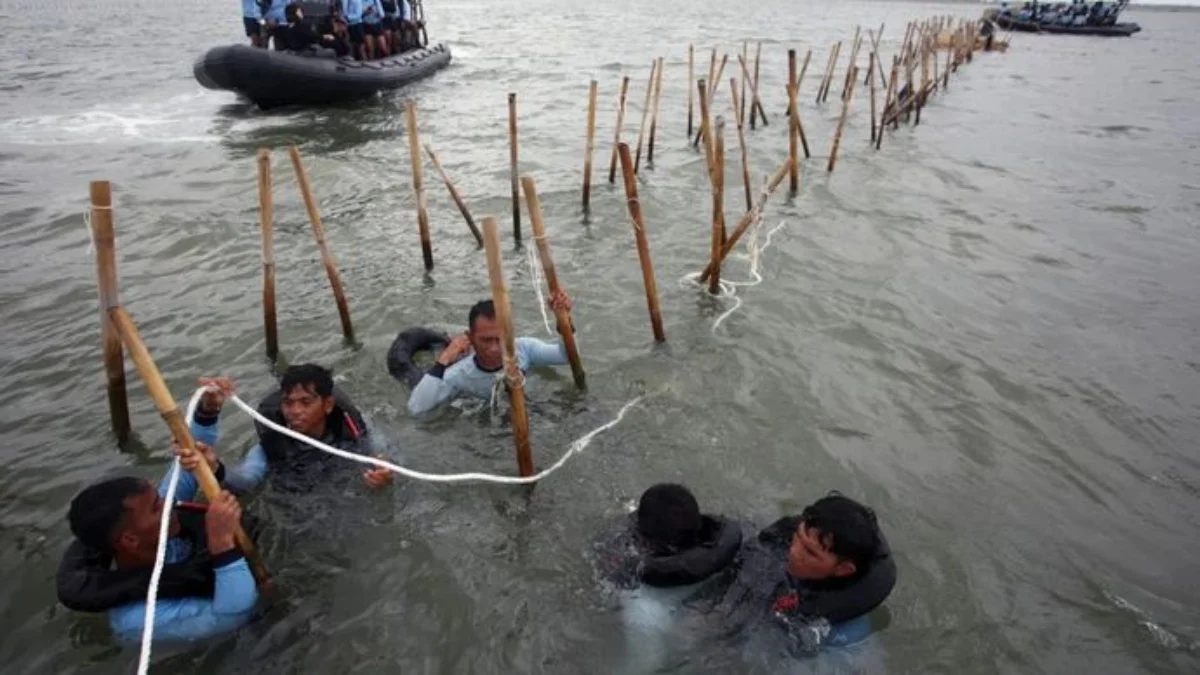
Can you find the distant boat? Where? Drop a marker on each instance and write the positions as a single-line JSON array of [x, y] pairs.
[[1115, 30], [1077, 18]]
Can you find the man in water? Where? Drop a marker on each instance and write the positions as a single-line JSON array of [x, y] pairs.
[[307, 403], [117, 521], [452, 374]]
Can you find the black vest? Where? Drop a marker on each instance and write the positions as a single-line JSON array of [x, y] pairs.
[[298, 466]]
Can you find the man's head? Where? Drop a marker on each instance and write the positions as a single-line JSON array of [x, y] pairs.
[[484, 333], [293, 12], [120, 516], [837, 537], [307, 398], [668, 518]]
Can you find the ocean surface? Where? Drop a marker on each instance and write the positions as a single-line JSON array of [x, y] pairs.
[[988, 331]]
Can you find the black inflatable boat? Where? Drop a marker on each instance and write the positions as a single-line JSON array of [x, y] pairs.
[[274, 78], [1113, 30]]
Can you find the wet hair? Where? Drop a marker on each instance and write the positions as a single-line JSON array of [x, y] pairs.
[[668, 517], [98, 513], [484, 308], [308, 376], [290, 11], [848, 529]]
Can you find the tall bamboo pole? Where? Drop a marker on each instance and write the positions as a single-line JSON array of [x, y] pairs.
[[314, 217], [157, 389], [793, 132], [266, 223], [851, 66], [803, 69], [741, 113], [654, 112], [712, 92], [106, 277], [871, 80], [718, 196], [706, 130], [645, 114], [512, 166], [755, 104], [458, 199], [837, 137], [738, 104], [513, 376], [590, 148], [414, 153], [612, 165], [691, 78], [643, 246], [749, 218], [565, 328]]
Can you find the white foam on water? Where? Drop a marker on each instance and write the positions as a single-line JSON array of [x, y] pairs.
[[179, 119]]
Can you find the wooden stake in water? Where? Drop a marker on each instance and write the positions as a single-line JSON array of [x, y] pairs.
[[741, 112], [589, 149], [871, 80], [748, 219], [458, 200], [637, 161], [803, 70], [106, 278], [512, 166], [718, 193], [793, 132], [643, 247], [414, 153], [757, 102], [691, 78], [756, 105], [514, 378], [157, 388], [314, 217], [612, 165], [850, 67], [706, 130], [833, 59], [739, 104], [837, 137], [266, 223], [565, 328], [654, 112], [711, 93]]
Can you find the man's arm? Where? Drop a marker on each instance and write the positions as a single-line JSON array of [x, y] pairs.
[[430, 392], [247, 476], [535, 352]]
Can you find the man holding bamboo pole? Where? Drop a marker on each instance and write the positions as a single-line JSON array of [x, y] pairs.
[[454, 374]]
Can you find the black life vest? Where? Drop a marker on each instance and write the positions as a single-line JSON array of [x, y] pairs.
[[623, 562], [87, 582], [298, 466]]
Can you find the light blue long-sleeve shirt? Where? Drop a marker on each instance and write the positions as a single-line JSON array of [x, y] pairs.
[[240, 480], [352, 10], [466, 377], [372, 11], [277, 11], [191, 619], [251, 10]]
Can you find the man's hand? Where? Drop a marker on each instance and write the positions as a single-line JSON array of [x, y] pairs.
[[454, 351], [377, 478], [559, 301], [217, 390], [221, 522], [190, 459]]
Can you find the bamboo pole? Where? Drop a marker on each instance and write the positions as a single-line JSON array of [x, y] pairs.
[[314, 217], [589, 148], [637, 161], [855, 45], [718, 196], [712, 91], [837, 51], [871, 81], [919, 100], [612, 165], [793, 132], [946, 70], [458, 200], [643, 247], [104, 240], [266, 223], [741, 132], [514, 379], [753, 92], [749, 218], [414, 153], [741, 113], [565, 328], [837, 137], [512, 166], [691, 78], [157, 389], [712, 69], [803, 69], [755, 103], [876, 38], [654, 112], [706, 130]]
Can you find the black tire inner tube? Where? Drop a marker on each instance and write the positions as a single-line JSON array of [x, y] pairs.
[[406, 345]]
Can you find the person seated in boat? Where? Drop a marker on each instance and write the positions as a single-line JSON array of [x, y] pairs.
[[308, 403], [453, 374], [206, 588], [657, 556], [374, 44], [301, 34], [252, 22], [390, 24]]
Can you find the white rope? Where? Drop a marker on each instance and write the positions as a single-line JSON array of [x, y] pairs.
[[536, 276], [729, 287], [164, 530]]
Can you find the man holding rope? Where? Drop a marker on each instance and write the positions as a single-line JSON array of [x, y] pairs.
[[308, 403]]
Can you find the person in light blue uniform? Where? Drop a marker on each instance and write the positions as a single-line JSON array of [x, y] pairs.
[[275, 19], [352, 14], [374, 45], [454, 374], [252, 22], [119, 519]]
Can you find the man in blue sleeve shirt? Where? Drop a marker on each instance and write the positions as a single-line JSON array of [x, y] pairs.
[[120, 518], [252, 21], [454, 375]]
